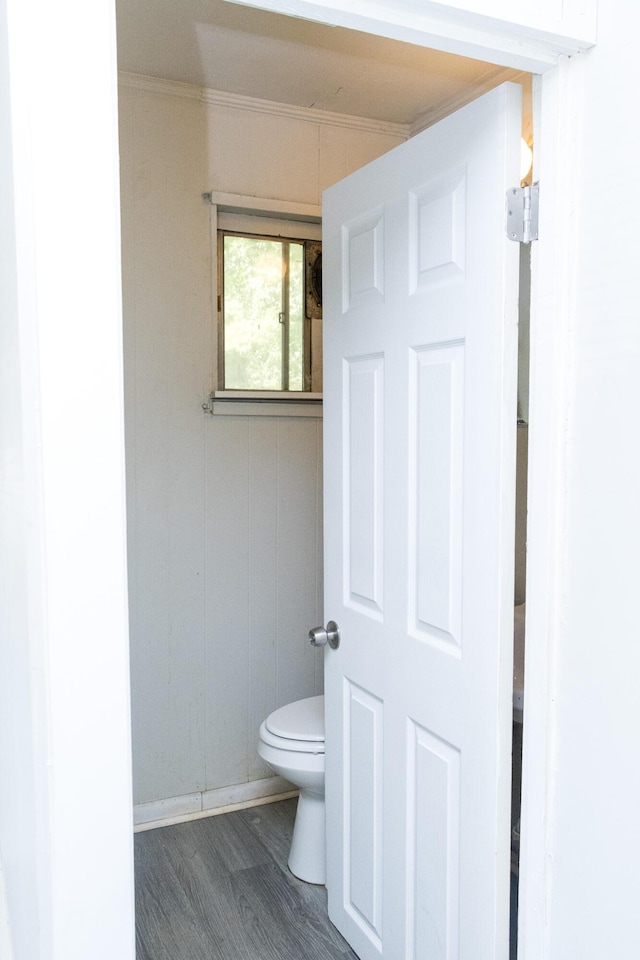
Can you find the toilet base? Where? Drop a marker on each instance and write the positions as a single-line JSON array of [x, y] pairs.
[[307, 857]]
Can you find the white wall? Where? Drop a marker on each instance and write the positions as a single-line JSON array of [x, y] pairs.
[[225, 537], [22, 753], [166, 297], [285, 154], [65, 797], [594, 798]]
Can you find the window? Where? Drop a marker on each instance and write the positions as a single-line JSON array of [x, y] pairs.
[[269, 296]]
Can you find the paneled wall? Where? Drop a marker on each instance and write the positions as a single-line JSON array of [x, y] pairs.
[[224, 513], [166, 264], [288, 156], [264, 586]]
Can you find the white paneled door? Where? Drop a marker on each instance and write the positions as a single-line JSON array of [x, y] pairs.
[[420, 417]]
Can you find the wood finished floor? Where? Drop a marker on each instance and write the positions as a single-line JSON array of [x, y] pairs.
[[219, 889]]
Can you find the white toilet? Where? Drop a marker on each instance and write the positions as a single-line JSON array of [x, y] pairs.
[[292, 743]]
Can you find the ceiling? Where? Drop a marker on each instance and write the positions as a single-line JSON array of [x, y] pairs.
[[240, 50]]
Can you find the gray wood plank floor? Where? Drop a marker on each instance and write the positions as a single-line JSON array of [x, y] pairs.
[[219, 889]]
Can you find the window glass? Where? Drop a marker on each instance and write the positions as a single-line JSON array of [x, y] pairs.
[[264, 327], [296, 317], [252, 313]]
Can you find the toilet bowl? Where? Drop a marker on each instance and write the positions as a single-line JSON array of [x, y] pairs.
[[292, 743]]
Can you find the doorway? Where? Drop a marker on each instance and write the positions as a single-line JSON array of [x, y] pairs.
[[241, 657], [50, 213]]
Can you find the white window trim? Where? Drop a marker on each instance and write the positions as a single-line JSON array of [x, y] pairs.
[[266, 403], [262, 396], [258, 217]]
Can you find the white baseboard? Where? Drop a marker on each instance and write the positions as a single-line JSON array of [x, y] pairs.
[[208, 803]]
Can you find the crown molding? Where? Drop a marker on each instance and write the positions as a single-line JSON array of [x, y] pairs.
[[490, 80], [308, 114], [168, 88], [234, 101]]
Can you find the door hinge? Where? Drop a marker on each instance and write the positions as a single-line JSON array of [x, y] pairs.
[[522, 213]]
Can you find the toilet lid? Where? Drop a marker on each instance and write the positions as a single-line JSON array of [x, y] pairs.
[[301, 720]]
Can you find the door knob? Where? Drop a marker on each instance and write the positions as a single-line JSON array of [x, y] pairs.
[[320, 636]]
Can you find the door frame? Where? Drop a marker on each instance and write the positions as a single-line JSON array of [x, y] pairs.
[[44, 59], [558, 105]]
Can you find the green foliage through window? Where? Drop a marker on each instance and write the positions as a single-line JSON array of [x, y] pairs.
[[263, 313]]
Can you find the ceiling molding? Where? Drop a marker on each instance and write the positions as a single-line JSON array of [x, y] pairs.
[[169, 88], [309, 114], [235, 101], [491, 80]]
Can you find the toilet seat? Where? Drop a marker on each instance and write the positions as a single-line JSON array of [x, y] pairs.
[[286, 743], [301, 720], [298, 726]]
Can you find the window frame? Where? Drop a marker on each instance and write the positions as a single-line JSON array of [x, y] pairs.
[[250, 225]]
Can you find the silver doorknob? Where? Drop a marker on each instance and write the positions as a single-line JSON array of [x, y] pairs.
[[320, 636]]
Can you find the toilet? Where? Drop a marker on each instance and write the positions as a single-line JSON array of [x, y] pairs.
[[292, 743]]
